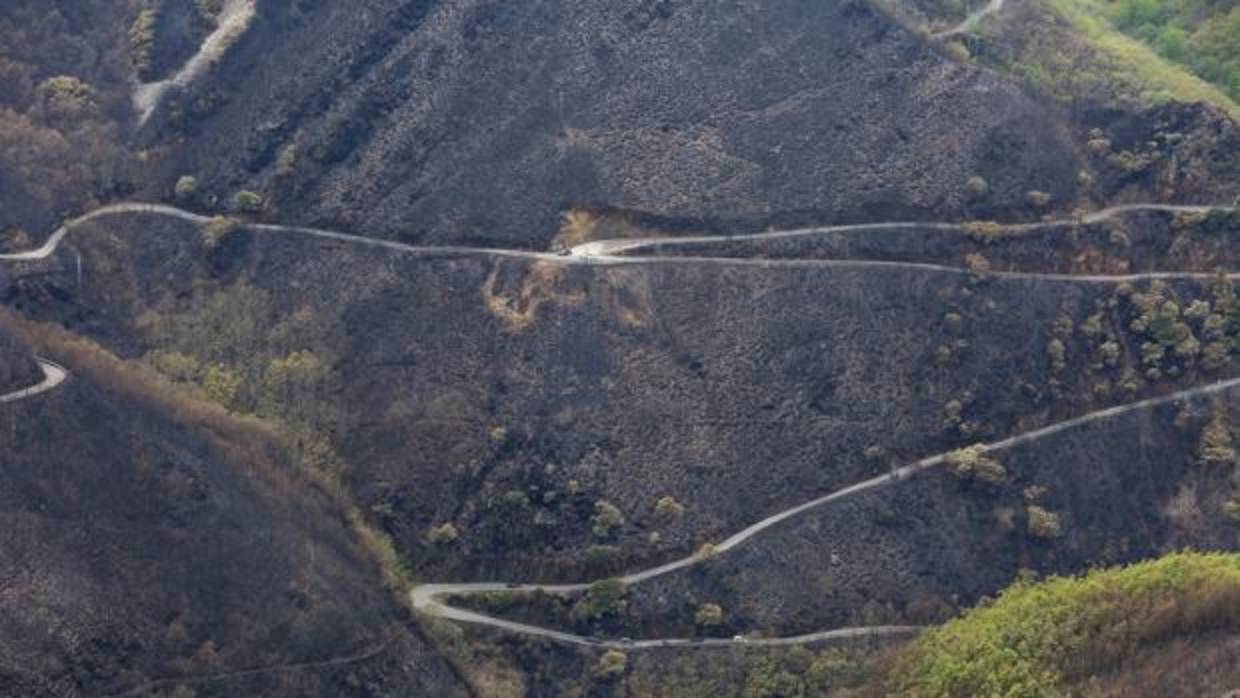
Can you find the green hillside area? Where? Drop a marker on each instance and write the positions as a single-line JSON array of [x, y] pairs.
[[1040, 637]]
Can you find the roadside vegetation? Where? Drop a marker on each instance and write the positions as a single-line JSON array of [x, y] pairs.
[[1039, 636], [1153, 75], [1200, 35]]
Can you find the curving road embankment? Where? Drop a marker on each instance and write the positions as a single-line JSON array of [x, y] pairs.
[[53, 375]]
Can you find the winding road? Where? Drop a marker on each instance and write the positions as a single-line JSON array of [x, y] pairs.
[[53, 375], [233, 21], [425, 597], [608, 252]]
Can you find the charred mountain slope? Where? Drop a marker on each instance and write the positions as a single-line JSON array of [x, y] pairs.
[[144, 550], [471, 120]]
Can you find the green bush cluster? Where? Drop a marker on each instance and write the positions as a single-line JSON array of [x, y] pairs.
[[603, 599], [1174, 337], [607, 517], [1202, 35], [1042, 523], [972, 463]]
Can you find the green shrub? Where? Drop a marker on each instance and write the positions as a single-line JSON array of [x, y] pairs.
[[668, 507], [606, 518], [976, 187], [708, 615], [984, 232], [1042, 523], [247, 202], [444, 534], [142, 41], [221, 385], [972, 463], [186, 188], [1056, 351], [611, 665], [64, 98], [1038, 199], [1216, 445], [603, 599], [218, 229]]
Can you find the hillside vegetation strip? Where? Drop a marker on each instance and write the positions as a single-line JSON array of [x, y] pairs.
[[1038, 635]]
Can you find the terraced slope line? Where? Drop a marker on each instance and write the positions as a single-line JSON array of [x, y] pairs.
[[234, 19], [53, 375], [425, 597], [606, 252]]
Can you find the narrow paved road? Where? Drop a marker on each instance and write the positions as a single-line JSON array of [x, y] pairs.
[[618, 246], [607, 252], [234, 19], [426, 597], [53, 375], [971, 21]]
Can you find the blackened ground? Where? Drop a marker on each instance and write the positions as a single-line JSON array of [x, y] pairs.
[[137, 550]]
